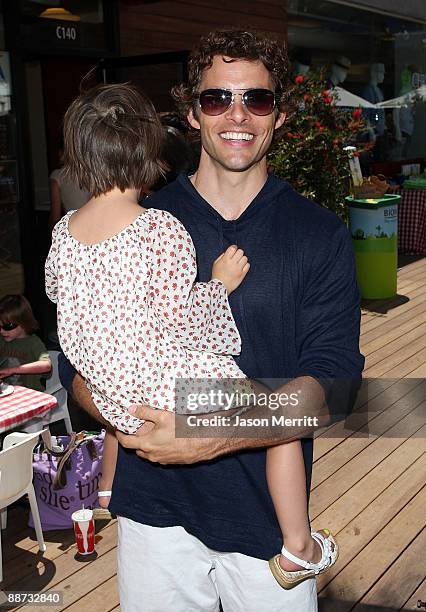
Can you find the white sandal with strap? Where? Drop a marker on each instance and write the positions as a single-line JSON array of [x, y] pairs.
[[288, 580]]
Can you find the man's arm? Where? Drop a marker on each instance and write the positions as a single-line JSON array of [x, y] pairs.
[[83, 397], [157, 442], [76, 386], [329, 365], [162, 445]]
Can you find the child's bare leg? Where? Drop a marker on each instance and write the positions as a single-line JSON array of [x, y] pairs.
[[285, 471], [109, 461]]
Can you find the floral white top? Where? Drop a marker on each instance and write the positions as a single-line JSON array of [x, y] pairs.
[[131, 319]]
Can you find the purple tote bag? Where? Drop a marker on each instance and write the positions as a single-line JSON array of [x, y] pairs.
[[65, 481]]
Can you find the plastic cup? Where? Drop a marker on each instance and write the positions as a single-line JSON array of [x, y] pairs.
[[84, 529]]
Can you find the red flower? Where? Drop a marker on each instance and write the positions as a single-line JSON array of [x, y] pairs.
[[306, 97], [299, 79], [319, 125], [356, 114], [326, 98]]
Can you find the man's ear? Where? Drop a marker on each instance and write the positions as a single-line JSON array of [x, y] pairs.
[[193, 122], [280, 120]]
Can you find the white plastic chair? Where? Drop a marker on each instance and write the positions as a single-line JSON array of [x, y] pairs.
[[60, 412], [16, 480]]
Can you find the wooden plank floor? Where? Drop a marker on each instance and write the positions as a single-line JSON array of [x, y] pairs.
[[368, 486], [369, 475]]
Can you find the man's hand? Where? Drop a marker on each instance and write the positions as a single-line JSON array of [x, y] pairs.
[[156, 440]]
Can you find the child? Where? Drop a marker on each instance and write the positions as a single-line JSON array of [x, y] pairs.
[[28, 359], [130, 318]]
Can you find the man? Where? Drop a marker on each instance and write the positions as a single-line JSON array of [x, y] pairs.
[[191, 535]]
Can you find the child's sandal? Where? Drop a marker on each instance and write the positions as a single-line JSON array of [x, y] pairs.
[[288, 580]]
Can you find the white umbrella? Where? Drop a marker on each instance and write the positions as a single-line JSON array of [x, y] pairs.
[[405, 100], [346, 98]]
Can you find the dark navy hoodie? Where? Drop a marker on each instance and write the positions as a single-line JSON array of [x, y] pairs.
[[297, 312]]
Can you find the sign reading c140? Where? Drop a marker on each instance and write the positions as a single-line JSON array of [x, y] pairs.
[[66, 33]]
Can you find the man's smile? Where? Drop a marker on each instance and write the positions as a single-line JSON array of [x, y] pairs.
[[236, 136]]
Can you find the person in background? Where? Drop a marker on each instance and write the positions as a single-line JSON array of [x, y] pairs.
[[64, 195], [26, 355]]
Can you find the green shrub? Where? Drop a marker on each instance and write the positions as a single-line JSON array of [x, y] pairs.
[[309, 154]]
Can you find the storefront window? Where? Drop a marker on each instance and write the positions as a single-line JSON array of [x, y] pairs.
[[11, 271], [381, 58], [410, 82]]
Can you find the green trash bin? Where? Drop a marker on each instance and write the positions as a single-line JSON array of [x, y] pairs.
[[373, 224]]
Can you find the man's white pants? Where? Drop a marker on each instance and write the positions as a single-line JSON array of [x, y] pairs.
[[166, 568]]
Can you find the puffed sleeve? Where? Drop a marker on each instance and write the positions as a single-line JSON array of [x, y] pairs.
[[197, 315]]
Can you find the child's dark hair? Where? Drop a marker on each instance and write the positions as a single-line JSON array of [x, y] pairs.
[[112, 138], [17, 309]]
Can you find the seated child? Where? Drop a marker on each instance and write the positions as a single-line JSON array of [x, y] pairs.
[[25, 354]]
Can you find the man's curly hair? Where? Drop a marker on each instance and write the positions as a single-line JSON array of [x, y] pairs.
[[248, 45]]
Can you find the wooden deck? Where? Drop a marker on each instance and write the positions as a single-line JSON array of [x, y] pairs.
[[368, 486]]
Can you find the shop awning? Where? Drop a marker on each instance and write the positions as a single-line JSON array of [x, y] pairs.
[[346, 98], [415, 95]]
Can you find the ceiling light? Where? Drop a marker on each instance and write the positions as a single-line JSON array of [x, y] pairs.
[[59, 13]]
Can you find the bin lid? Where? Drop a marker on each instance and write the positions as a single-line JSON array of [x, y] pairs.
[[373, 203]]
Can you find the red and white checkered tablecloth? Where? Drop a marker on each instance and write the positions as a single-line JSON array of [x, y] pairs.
[[21, 405], [412, 222]]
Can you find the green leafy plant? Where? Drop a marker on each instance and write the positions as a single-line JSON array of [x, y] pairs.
[[309, 153]]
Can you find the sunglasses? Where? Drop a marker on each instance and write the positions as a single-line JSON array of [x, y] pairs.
[[8, 326], [259, 102]]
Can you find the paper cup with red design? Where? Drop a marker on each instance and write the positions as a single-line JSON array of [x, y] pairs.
[[84, 529]]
